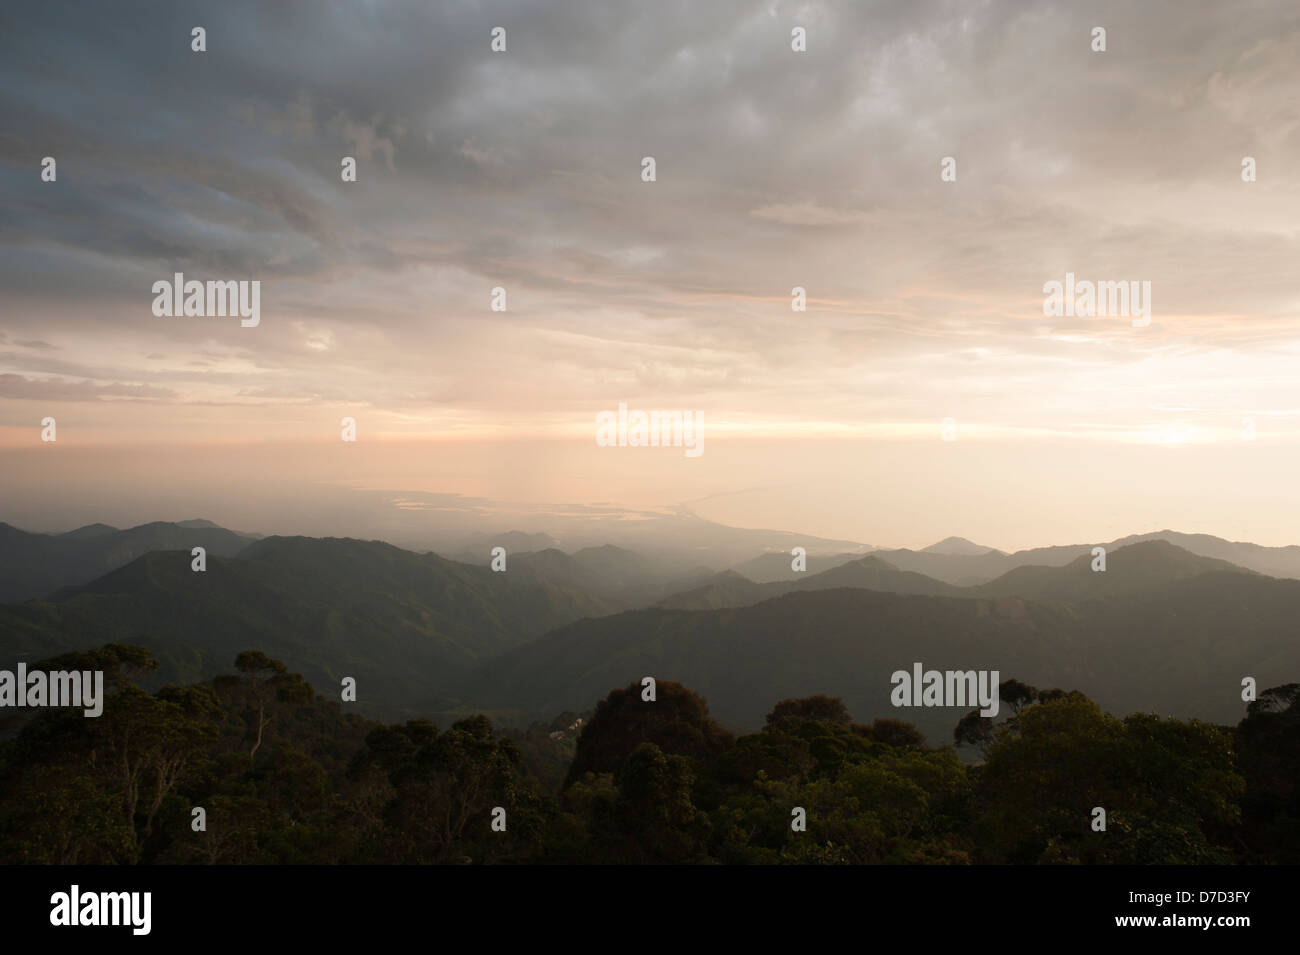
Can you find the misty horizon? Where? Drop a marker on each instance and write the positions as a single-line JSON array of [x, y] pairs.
[[892, 272], [725, 434], [670, 535]]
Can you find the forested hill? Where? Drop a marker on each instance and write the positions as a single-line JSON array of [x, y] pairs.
[[1161, 630], [408, 627], [1182, 648], [255, 767]]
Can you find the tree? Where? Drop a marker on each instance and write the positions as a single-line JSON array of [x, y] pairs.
[[830, 709], [1268, 755], [1166, 786], [146, 743], [892, 732], [678, 722], [62, 814], [974, 730], [121, 663], [260, 672], [654, 811], [979, 731], [1016, 695], [444, 788]]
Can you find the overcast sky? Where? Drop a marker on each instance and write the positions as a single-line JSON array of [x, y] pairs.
[[775, 169]]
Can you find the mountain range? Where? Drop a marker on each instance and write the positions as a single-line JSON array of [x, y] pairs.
[[34, 565], [1162, 627], [1129, 568], [965, 568], [1179, 648], [408, 627]]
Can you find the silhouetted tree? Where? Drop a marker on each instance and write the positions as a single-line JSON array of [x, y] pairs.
[[678, 722], [1268, 754], [830, 709], [892, 732]]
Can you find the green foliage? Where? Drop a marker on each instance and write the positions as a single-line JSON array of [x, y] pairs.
[[408, 627], [846, 643], [432, 795], [1166, 786], [678, 722], [866, 801], [650, 783], [37, 565], [817, 707], [653, 810], [1268, 745]]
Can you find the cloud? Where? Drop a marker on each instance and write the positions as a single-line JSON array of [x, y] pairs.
[[809, 214], [18, 387], [775, 169]]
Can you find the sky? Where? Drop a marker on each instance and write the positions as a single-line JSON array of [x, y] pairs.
[[924, 392]]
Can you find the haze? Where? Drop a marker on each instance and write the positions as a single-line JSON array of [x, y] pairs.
[[775, 169]]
